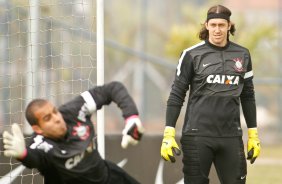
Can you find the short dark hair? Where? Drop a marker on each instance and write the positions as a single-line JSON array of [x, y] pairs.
[[217, 9], [29, 112]]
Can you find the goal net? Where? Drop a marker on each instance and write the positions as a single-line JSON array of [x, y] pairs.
[[48, 50]]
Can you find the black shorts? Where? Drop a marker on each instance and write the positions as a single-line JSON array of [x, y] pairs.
[[227, 154], [118, 176]]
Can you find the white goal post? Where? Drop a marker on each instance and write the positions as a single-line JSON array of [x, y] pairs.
[[100, 74]]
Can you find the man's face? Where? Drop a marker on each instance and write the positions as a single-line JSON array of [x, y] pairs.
[[218, 30], [50, 122]]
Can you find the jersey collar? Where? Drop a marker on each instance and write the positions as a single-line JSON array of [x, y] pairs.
[[217, 47]]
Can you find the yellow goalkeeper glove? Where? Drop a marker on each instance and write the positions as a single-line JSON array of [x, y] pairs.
[[169, 145], [253, 145]]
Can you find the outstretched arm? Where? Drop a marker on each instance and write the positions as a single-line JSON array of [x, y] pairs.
[[117, 93]]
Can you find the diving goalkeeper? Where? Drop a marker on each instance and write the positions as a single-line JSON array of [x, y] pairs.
[[63, 147]]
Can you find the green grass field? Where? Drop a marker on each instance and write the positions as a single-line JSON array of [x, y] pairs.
[[267, 168]]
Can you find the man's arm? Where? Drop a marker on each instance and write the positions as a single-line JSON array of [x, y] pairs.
[[248, 103], [247, 96], [175, 102], [117, 93], [183, 77]]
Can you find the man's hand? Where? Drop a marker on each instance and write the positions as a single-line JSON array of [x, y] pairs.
[[169, 145], [132, 132], [253, 145], [14, 144]]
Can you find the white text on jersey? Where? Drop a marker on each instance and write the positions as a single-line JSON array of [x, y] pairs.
[[223, 79], [72, 162]]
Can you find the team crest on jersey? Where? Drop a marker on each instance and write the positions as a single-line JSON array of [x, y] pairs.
[[82, 131], [238, 65]]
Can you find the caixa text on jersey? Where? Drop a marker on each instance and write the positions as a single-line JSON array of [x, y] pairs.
[[223, 79]]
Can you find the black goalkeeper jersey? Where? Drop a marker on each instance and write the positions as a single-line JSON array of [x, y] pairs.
[[75, 159], [217, 79]]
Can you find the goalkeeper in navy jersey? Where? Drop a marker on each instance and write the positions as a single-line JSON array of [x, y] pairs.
[[218, 74], [63, 148]]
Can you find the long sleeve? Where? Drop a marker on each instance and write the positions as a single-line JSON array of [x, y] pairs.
[[249, 104], [117, 93], [247, 96], [174, 103], [36, 159], [183, 77]]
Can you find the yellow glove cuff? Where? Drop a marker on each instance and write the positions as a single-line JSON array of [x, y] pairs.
[[169, 131], [253, 133]]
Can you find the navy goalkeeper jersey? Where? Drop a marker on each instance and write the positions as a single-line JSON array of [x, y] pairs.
[[75, 159], [216, 78]]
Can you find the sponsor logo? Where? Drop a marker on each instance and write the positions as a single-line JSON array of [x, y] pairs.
[[243, 177], [72, 162], [204, 65], [223, 79]]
